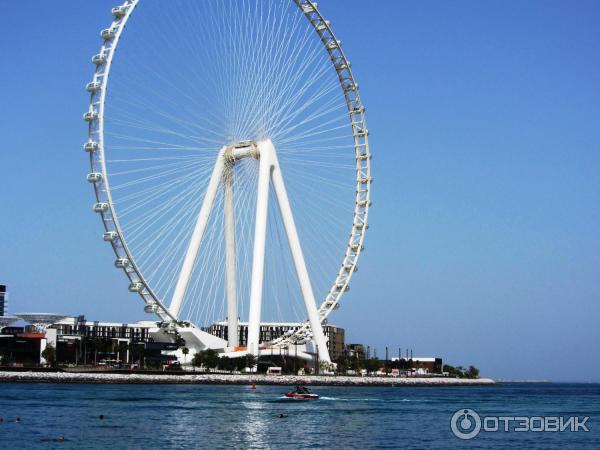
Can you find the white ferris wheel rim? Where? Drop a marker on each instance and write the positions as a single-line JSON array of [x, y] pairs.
[[105, 206]]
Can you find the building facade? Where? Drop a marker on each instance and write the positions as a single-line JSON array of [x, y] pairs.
[[356, 351], [420, 365], [2, 300], [270, 331], [78, 326], [19, 347]]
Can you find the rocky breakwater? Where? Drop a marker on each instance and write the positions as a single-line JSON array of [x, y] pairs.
[[214, 378]]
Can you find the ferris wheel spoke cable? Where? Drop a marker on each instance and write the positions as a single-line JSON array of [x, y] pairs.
[[153, 192], [138, 181], [137, 139], [153, 189], [168, 227], [142, 225]]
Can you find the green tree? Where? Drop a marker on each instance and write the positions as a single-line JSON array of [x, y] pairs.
[[250, 360], [324, 366], [343, 364], [207, 358], [49, 354], [372, 365], [185, 352], [357, 364], [224, 363], [472, 372], [198, 359], [461, 372], [211, 358]]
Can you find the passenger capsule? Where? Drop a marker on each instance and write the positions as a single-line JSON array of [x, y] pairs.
[[110, 236], [323, 25], [342, 65], [119, 11], [308, 8], [101, 207], [350, 86], [121, 263], [151, 308], [100, 58], [350, 268], [334, 43], [357, 247], [90, 146], [93, 86], [360, 132], [136, 286], [94, 177], [108, 33], [90, 116], [341, 287]]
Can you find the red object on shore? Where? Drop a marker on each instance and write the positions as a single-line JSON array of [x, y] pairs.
[[300, 396]]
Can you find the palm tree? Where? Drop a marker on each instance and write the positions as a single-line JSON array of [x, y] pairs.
[[185, 352]]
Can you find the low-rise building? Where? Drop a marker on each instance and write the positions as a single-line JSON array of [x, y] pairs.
[[269, 331], [420, 365], [356, 351], [20, 348], [2, 300], [78, 326]]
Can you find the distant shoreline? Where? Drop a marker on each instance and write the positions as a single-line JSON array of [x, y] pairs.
[[290, 380]]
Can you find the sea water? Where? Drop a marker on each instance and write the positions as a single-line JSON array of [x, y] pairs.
[[211, 416]]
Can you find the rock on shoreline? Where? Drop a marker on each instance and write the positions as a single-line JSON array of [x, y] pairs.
[[106, 378]]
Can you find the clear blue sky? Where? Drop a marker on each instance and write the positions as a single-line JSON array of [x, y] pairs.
[[485, 122]]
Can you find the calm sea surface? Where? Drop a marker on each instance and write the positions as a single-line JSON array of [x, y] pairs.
[[186, 416]]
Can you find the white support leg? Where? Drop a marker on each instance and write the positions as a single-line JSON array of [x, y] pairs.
[[269, 170], [196, 240], [296, 250], [230, 260], [258, 259]]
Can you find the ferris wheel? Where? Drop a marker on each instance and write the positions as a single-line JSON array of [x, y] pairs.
[[230, 161]]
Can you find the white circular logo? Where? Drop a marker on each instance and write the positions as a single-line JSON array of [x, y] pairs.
[[465, 424]]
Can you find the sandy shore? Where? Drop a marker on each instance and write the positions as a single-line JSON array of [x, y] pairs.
[[61, 377]]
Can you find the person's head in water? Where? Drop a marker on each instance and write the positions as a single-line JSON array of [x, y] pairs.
[[101, 417]]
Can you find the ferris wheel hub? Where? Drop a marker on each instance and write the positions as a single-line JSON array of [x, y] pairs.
[[243, 149]]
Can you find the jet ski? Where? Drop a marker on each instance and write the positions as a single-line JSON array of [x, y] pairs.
[[301, 393]]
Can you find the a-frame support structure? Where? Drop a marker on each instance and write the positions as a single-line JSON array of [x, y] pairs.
[[269, 174]]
